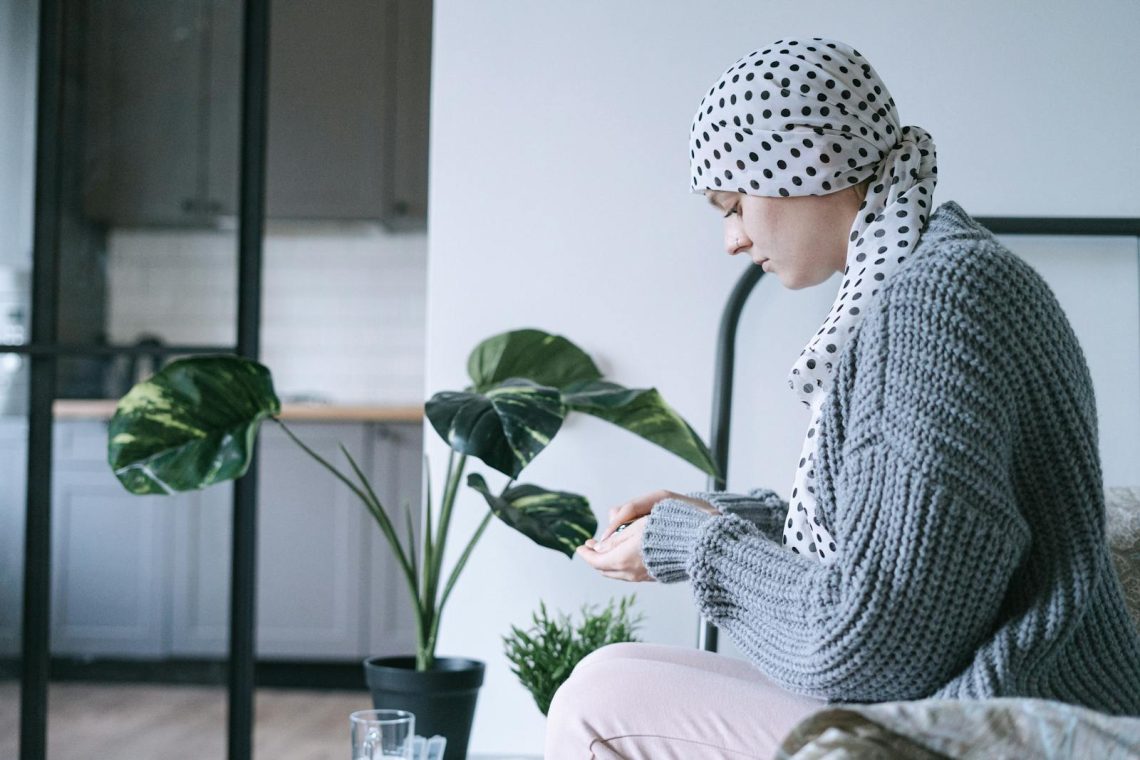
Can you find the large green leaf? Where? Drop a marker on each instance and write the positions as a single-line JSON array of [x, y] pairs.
[[506, 427], [191, 425], [641, 411], [555, 519], [538, 356]]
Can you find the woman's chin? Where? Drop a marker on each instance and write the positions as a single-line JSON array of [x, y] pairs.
[[781, 276], [799, 280]]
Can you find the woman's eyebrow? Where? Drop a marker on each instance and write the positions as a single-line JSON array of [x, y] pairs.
[[713, 201]]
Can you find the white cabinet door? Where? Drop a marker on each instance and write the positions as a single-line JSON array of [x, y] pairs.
[[149, 576], [308, 556], [200, 597], [110, 566], [397, 464], [309, 577], [309, 563]]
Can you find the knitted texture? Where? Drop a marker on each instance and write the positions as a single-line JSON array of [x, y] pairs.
[[959, 471]]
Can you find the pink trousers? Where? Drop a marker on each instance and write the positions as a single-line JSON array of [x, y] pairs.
[[638, 701]]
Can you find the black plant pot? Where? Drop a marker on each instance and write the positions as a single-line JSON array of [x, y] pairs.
[[442, 699]]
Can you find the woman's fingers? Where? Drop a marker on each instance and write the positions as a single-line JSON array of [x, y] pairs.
[[618, 538], [621, 559], [607, 545], [631, 510], [615, 523], [608, 531], [618, 515]]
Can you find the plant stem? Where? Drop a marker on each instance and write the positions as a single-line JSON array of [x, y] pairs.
[[374, 507], [459, 565], [426, 649], [463, 560], [373, 503], [467, 551], [425, 567], [412, 560], [448, 503]]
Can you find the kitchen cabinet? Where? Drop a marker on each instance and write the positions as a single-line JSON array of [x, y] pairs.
[[348, 111], [145, 144], [107, 566], [404, 200], [323, 579], [110, 568], [328, 586], [311, 534], [397, 457], [148, 576]]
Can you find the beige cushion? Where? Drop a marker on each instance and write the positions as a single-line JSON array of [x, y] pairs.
[[1122, 524]]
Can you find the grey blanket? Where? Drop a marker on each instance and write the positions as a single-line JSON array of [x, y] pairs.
[[992, 729]]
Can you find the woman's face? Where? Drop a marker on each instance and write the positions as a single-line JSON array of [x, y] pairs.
[[802, 239]]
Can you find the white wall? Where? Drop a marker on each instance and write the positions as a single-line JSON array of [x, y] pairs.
[[559, 199]]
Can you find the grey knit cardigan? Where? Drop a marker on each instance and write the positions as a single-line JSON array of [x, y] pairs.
[[959, 472]]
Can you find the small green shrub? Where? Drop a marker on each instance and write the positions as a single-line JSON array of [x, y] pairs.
[[544, 656]]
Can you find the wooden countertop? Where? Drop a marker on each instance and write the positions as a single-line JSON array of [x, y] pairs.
[[105, 408]]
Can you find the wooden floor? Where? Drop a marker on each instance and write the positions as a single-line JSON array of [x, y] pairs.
[[166, 722]]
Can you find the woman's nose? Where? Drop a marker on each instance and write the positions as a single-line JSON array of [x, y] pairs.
[[735, 240]]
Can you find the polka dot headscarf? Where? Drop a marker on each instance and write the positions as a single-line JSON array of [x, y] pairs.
[[812, 117]]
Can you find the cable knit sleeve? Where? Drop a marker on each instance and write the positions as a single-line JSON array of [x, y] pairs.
[[930, 534], [763, 507]]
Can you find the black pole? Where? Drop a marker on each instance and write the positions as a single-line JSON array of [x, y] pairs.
[[45, 279], [78, 349], [251, 214], [725, 364], [1122, 226], [722, 404]]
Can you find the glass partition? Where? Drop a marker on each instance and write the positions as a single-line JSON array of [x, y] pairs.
[[148, 251], [138, 168], [18, 49]]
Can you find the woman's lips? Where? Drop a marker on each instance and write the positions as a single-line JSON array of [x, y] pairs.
[[764, 264]]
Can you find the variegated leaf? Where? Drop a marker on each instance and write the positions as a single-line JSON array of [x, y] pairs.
[[506, 427], [555, 519], [191, 425], [641, 411], [538, 356]]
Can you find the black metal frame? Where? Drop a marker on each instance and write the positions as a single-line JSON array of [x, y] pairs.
[[730, 318], [251, 228], [44, 351], [45, 276]]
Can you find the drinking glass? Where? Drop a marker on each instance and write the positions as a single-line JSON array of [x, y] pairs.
[[380, 734]]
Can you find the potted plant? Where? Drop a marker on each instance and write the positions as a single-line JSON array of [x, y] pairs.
[[193, 424], [544, 655]]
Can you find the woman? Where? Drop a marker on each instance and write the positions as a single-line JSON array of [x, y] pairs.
[[945, 531]]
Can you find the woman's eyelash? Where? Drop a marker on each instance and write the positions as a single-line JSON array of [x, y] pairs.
[[732, 210]]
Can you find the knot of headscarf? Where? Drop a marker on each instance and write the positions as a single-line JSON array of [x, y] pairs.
[[812, 117]]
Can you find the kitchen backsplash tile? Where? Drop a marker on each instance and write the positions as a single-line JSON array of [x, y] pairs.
[[342, 309]]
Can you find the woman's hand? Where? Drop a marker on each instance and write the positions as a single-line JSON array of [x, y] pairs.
[[620, 556], [643, 505]]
